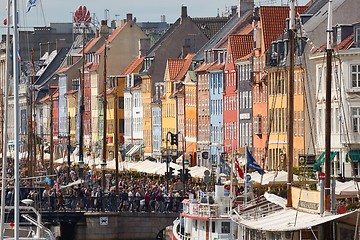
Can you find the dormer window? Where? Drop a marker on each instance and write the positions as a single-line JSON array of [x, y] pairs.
[[357, 36]]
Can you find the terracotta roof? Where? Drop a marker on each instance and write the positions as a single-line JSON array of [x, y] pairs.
[[246, 30], [241, 45], [174, 67], [55, 95], [71, 92], [273, 21], [88, 64], [90, 44], [111, 38], [108, 92], [346, 43], [133, 65], [44, 99], [245, 57], [94, 67], [185, 68], [216, 67], [203, 67], [63, 69]]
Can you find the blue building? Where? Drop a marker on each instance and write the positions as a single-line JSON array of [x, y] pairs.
[[156, 121], [216, 111]]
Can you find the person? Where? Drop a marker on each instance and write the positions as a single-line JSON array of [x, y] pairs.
[[46, 198], [99, 200], [52, 199], [160, 201], [137, 199], [72, 198], [112, 197], [147, 201], [60, 201], [124, 199], [131, 200]]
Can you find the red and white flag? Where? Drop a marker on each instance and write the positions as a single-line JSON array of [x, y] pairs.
[[239, 170]]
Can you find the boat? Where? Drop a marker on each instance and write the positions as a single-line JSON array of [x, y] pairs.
[[205, 217], [32, 228]]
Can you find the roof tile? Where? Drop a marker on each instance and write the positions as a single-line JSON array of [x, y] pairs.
[[273, 21], [133, 65]]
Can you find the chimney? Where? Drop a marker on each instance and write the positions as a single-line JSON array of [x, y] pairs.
[[162, 18], [60, 43], [244, 6], [185, 51], [129, 17], [184, 12], [144, 46], [233, 10], [104, 29]]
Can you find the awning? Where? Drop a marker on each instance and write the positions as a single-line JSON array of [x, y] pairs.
[[289, 220], [353, 156], [133, 150], [320, 161]]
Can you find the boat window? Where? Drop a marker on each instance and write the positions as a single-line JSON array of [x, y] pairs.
[[225, 227], [213, 227], [196, 225]]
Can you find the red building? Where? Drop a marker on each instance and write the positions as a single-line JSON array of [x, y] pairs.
[[238, 47]]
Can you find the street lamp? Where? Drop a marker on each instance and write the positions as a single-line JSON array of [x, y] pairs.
[[186, 167], [103, 169], [81, 169], [81, 166]]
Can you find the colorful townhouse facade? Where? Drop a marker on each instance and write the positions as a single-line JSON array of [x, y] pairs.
[[216, 78], [345, 105], [190, 101]]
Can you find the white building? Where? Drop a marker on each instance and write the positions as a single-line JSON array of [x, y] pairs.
[[345, 101], [133, 115]]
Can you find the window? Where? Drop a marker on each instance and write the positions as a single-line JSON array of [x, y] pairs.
[[225, 227], [355, 76], [320, 121], [357, 36], [257, 124], [355, 112]]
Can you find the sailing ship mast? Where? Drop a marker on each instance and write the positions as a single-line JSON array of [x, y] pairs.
[[5, 121], [327, 204], [105, 119], [15, 42], [290, 130]]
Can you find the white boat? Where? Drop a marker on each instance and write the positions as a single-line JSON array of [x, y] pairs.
[[205, 217]]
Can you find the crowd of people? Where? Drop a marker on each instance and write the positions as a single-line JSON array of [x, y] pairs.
[[83, 190]]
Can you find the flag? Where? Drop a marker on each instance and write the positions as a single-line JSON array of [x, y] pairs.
[[224, 168], [30, 4], [238, 168], [252, 164], [18, 56]]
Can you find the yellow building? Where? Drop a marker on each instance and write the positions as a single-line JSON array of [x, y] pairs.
[[190, 116], [147, 115], [168, 104], [278, 79], [72, 109]]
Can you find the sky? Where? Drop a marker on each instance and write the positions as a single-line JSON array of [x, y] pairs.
[[144, 10]]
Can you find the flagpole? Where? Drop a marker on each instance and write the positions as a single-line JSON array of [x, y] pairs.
[[232, 168], [245, 178]]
